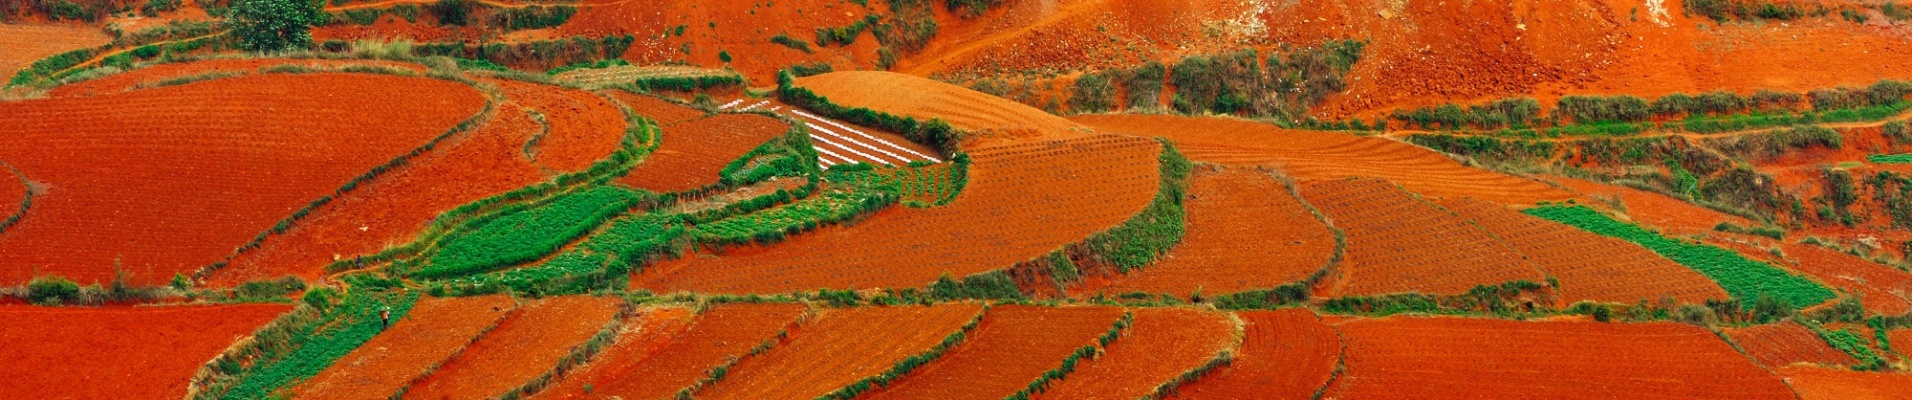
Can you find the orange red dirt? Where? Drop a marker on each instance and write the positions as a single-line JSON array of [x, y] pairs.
[[994, 117], [1787, 343], [1456, 358], [1397, 243], [12, 192], [740, 29], [26, 44], [840, 347], [664, 112], [1163, 344], [1314, 155], [693, 153], [154, 74], [1022, 201], [435, 330], [171, 179], [1012, 347], [1881, 289], [651, 367], [1814, 383], [528, 343], [1589, 266], [117, 352], [1286, 354], [1246, 231], [579, 128]]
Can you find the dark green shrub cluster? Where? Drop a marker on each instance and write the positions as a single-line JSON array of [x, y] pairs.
[[52, 290], [1599, 109], [815, 68], [1281, 296], [1893, 192], [273, 25], [791, 42], [912, 23], [542, 54], [687, 83], [46, 68], [1145, 85], [994, 285], [970, 8], [533, 17], [1769, 145], [56, 10], [1503, 299], [1897, 133], [1093, 93], [1724, 103], [520, 232], [289, 352], [775, 224], [268, 290], [934, 133], [1774, 232], [1292, 80], [1516, 113], [1885, 92], [451, 12], [908, 364], [1487, 148], [152, 8], [845, 35], [1753, 10]]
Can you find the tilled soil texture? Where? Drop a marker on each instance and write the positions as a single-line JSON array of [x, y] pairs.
[[117, 352], [1022, 201], [743, 30], [523, 346], [664, 112], [1901, 340], [578, 127], [1314, 155], [994, 117], [1398, 243], [1880, 289], [1012, 347], [1815, 383], [1163, 344], [154, 75], [25, 44], [1471, 358], [1786, 343], [693, 153], [435, 330], [839, 348], [1246, 231], [643, 365], [170, 179], [396, 207], [1589, 266], [14, 190], [1653, 209], [1286, 354]]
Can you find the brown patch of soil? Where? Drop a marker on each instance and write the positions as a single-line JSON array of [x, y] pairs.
[[117, 352], [1245, 231]]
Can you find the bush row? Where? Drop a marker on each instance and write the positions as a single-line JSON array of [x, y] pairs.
[[1089, 351], [541, 54], [845, 35], [1160, 225], [791, 42], [933, 133], [688, 83]]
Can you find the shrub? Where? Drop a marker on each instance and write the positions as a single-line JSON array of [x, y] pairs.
[[1093, 94], [912, 23], [845, 35], [787, 41], [534, 17], [1145, 86], [970, 8], [1599, 109], [1897, 133], [152, 8], [268, 290], [995, 285], [451, 12], [272, 25], [815, 68], [52, 290]]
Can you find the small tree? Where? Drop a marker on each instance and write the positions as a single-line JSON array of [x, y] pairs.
[[273, 25]]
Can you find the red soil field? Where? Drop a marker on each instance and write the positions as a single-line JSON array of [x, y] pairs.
[[170, 179], [580, 127], [741, 29], [1163, 344], [664, 112], [434, 331], [1814, 383], [394, 208], [12, 192], [1022, 201], [1901, 340], [1787, 343], [1467, 358], [1653, 209], [1397, 243], [1313, 155], [153, 74], [523, 346], [1012, 347], [1881, 289], [117, 352], [1589, 266], [693, 153], [839, 348], [669, 358], [924, 99], [1287, 354], [1245, 231], [24, 44]]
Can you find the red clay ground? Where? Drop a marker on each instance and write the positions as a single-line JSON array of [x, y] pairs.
[[581, 127], [24, 44], [154, 74], [1397, 243], [1654, 209], [1589, 266], [1787, 343], [1901, 340], [1287, 354], [435, 330], [1245, 231], [664, 112], [527, 344], [170, 179], [1012, 347], [12, 192], [839, 348], [1163, 344], [117, 352], [1313, 155], [969, 110], [741, 29], [693, 153], [1022, 201], [1813, 383], [650, 369], [1881, 289], [1466, 358]]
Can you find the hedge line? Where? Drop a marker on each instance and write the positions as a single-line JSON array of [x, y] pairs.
[[1069, 363], [933, 133], [26, 202], [1150, 233]]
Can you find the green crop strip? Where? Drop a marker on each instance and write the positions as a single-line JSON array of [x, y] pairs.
[[772, 225], [1745, 279], [319, 344], [1890, 158], [522, 233]]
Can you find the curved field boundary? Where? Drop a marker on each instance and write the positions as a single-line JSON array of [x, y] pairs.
[[26, 197], [1744, 278], [584, 127], [174, 175], [521, 348], [841, 347], [158, 75], [692, 154], [663, 111], [1162, 344], [1787, 343], [1589, 266], [28, 43], [436, 330], [1653, 209], [117, 352], [1021, 201], [964, 109], [660, 362], [1014, 345], [1400, 244], [1468, 358], [1815, 383], [1880, 289], [1315, 155], [1286, 354], [1246, 231]]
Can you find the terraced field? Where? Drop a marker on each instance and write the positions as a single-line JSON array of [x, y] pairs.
[[1398, 243], [1589, 266], [117, 352], [526, 344], [693, 152], [1012, 347], [1783, 344], [1162, 344], [1246, 231], [1287, 353], [435, 331], [680, 356], [841, 347]]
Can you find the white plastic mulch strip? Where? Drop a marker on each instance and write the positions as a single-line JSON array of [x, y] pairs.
[[839, 146], [732, 103], [814, 127], [861, 133], [822, 152], [752, 106]]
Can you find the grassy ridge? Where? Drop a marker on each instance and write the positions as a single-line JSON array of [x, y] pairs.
[[1745, 279]]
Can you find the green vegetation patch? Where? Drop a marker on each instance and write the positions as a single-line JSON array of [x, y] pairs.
[[1901, 158], [312, 347], [521, 233], [773, 225], [1745, 279]]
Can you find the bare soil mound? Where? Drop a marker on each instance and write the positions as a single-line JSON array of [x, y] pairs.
[[1398, 243], [117, 352], [1246, 231]]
